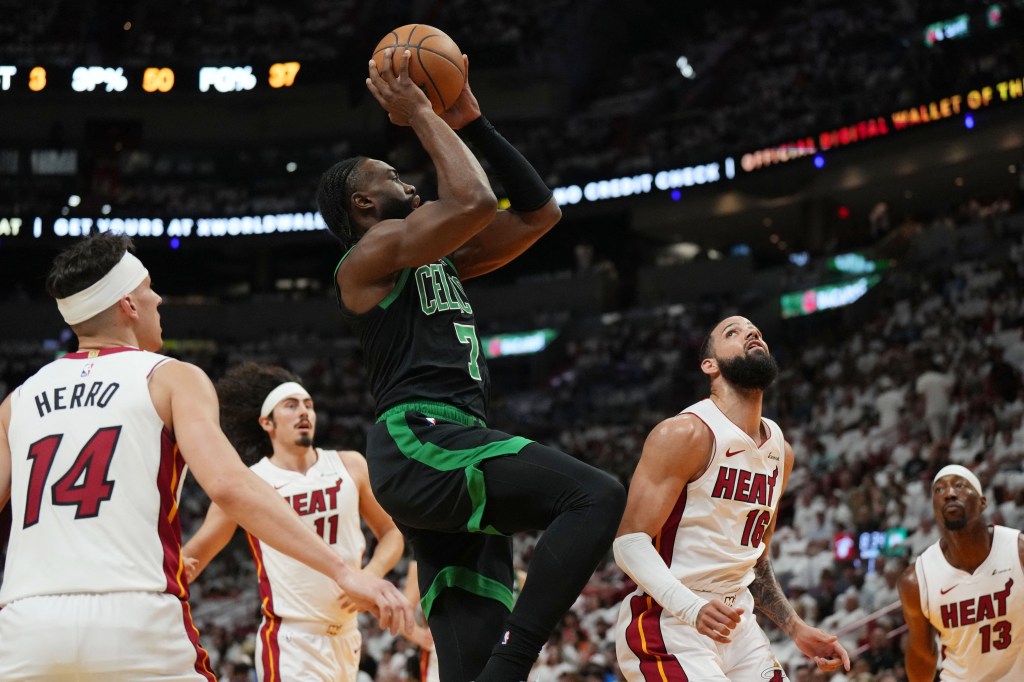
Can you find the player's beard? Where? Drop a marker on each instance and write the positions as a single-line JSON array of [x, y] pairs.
[[393, 208], [756, 370], [955, 524], [305, 440]]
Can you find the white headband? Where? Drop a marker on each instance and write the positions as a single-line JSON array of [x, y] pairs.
[[962, 472], [111, 288], [285, 390]]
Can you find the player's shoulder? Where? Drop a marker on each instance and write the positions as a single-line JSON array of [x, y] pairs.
[[352, 459], [681, 429], [177, 378], [5, 408], [168, 368], [908, 581]]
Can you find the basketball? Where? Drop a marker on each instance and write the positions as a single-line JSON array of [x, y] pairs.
[[435, 63]]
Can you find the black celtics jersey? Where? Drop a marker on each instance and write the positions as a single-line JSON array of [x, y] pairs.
[[420, 342]]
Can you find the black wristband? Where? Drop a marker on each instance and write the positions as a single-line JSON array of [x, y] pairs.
[[525, 189]]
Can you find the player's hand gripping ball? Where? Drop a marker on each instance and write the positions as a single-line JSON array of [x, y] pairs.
[[435, 63]]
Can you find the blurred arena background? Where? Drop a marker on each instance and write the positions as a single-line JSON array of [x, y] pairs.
[[847, 176]]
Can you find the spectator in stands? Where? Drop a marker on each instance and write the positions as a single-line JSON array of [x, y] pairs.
[[883, 651], [935, 386]]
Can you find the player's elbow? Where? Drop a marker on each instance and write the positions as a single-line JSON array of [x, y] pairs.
[[480, 204], [474, 211], [231, 486], [549, 214], [543, 219], [222, 491]]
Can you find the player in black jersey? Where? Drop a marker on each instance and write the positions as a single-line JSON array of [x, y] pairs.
[[457, 489]]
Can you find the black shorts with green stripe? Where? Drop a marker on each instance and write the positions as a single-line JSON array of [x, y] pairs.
[[424, 461]]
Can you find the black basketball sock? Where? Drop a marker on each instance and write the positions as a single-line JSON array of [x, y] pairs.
[[512, 657]]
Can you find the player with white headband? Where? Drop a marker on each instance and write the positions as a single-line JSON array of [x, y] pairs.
[[121, 280], [93, 451], [966, 591], [306, 632]]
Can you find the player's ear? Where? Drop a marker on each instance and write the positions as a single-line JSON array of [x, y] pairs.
[[361, 200], [267, 423], [709, 366]]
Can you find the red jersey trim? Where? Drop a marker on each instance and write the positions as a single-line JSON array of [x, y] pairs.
[[271, 626], [714, 448], [168, 481], [665, 541], [645, 640], [202, 657]]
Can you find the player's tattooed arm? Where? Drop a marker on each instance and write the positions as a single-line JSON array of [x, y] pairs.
[[768, 596]]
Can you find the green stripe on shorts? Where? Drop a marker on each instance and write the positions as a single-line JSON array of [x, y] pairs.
[[432, 409], [441, 459], [468, 580]]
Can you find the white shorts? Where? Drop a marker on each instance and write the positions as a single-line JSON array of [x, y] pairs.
[[117, 636], [297, 651], [428, 666], [653, 645]]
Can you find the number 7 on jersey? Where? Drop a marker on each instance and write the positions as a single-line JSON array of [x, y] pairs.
[[466, 334]]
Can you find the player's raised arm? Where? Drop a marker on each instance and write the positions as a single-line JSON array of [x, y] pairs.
[[392, 228], [532, 210]]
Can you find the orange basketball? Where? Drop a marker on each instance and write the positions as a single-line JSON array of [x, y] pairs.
[[435, 63]]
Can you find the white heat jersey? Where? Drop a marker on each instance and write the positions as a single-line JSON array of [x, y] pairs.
[[96, 480], [979, 616], [712, 538], [327, 500]]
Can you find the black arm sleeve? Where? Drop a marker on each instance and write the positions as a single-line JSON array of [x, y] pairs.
[[524, 186]]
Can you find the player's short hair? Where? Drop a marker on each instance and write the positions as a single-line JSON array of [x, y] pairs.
[[241, 392], [334, 198], [85, 262], [707, 347]]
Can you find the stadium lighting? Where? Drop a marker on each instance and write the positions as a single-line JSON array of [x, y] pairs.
[[74, 200], [685, 68], [969, 121], [175, 243], [676, 195], [819, 161]]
